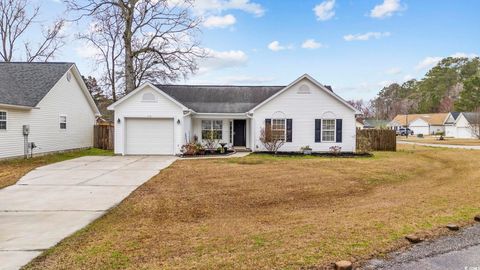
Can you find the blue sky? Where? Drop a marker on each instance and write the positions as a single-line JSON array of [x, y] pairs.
[[355, 46]]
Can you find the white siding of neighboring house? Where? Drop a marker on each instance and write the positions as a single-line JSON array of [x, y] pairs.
[[64, 98], [303, 109], [163, 107], [419, 126], [434, 129], [450, 130], [464, 131]]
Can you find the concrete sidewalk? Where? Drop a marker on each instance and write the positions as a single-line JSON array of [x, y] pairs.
[[471, 147], [54, 201]]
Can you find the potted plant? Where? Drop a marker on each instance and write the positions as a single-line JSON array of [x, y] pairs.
[[306, 150]]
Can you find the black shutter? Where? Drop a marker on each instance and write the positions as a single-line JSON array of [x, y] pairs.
[[318, 130], [339, 130], [268, 124], [289, 130]]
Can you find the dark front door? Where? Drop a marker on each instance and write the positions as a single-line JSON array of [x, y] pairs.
[[239, 132]]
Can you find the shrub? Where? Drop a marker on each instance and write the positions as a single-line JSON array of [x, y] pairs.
[[270, 142], [335, 150], [420, 135]]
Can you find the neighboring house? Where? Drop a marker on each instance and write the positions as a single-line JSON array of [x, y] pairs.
[[432, 123], [359, 124], [450, 127], [375, 123], [467, 125], [159, 119], [50, 99]]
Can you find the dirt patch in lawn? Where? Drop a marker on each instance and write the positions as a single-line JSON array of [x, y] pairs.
[[12, 170], [264, 212]]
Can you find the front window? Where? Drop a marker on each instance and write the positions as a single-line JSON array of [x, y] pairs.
[[3, 120], [328, 130], [278, 129], [63, 122], [212, 129]]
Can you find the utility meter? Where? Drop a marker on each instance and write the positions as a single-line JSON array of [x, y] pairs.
[[26, 129]]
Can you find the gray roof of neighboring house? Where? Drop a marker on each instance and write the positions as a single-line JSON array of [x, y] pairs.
[[472, 117], [220, 99], [25, 84], [455, 116]]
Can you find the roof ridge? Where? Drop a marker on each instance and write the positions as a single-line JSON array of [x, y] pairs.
[[19, 62], [217, 85]]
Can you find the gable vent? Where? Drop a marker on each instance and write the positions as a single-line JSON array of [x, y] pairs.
[[304, 89], [148, 97]]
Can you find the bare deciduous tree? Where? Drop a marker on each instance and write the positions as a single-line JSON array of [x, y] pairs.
[[159, 37], [105, 35], [271, 142], [475, 123], [15, 20]]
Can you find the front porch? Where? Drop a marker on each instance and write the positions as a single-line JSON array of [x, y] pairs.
[[233, 130]]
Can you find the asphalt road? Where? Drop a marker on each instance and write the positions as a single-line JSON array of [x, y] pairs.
[[460, 251], [471, 147]]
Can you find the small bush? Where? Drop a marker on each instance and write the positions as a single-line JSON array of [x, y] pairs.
[[419, 135]]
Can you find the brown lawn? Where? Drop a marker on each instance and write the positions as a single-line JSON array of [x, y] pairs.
[[435, 140], [12, 170], [261, 212]]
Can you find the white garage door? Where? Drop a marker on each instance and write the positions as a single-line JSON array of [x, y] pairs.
[[149, 136], [464, 133]]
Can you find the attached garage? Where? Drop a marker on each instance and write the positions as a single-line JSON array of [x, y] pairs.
[[149, 136]]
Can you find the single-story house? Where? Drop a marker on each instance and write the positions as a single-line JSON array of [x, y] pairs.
[[432, 123], [467, 125], [450, 127], [359, 124], [46, 104], [159, 119]]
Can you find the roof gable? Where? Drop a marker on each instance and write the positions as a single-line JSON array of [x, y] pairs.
[[430, 118], [316, 83], [26, 84]]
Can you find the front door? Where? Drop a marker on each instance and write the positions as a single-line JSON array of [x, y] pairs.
[[239, 132]]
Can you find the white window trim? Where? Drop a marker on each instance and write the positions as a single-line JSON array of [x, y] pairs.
[[6, 121], [60, 122], [211, 127], [334, 131], [284, 127]]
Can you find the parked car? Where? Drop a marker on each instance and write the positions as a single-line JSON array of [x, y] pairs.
[[404, 131]]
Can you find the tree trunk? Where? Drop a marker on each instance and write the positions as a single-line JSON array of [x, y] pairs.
[[128, 10]]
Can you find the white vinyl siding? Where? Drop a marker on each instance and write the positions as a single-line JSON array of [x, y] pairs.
[[328, 130], [64, 98], [135, 107], [3, 120], [303, 110]]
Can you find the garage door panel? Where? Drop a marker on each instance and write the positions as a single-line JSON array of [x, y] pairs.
[[149, 136]]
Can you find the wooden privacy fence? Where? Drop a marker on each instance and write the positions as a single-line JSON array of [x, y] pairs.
[[376, 140], [103, 136]]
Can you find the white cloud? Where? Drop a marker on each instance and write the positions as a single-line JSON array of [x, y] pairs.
[[393, 71], [311, 44], [276, 46], [219, 21], [216, 60], [431, 61], [428, 62], [386, 9], [88, 51], [408, 77], [324, 11], [366, 36], [464, 55], [217, 6]]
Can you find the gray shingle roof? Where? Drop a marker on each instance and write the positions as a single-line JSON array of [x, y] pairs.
[[472, 117], [219, 99], [25, 84]]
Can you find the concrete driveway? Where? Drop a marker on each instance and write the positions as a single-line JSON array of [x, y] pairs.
[[54, 201]]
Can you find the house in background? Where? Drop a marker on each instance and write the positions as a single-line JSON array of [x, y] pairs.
[[467, 125], [375, 124], [450, 127], [159, 119], [426, 124], [44, 103]]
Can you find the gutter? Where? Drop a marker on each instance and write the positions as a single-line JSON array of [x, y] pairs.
[[18, 106]]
